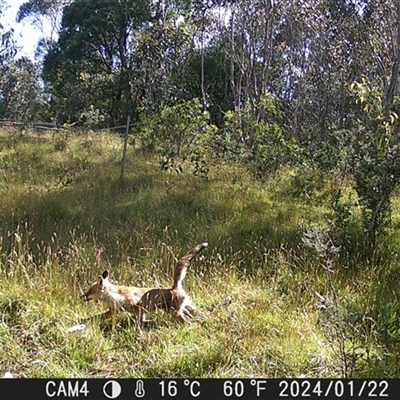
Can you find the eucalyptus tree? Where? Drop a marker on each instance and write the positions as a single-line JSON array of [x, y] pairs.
[[8, 50], [376, 160], [8, 47], [94, 59], [22, 96], [252, 28], [322, 44], [384, 49], [45, 15], [116, 56]]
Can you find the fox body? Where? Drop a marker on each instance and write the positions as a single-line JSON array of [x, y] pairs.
[[143, 300]]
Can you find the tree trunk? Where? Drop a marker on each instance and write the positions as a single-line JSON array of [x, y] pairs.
[[391, 87], [203, 92], [232, 61], [126, 136]]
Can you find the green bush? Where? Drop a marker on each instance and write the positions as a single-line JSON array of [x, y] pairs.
[[179, 134]]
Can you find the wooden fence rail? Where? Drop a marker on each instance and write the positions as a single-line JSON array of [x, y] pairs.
[[48, 125], [33, 125]]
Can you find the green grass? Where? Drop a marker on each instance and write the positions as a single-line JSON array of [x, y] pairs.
[[64, 217]]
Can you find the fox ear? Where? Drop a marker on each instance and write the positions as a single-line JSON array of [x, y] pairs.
[[105, 274], [103, 277]]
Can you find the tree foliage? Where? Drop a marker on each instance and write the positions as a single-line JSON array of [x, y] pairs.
[[22, 97], [8, 46], [8, 50], [46, 17], [180, 134]]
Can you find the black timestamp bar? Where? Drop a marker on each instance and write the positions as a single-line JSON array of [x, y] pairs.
[[198, 389]]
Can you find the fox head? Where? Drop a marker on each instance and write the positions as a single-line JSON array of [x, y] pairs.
[[95, 290]]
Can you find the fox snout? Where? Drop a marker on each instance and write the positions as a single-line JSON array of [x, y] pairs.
[[84, 297]]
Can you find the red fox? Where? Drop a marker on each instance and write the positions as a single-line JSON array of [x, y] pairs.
[[143, 300]]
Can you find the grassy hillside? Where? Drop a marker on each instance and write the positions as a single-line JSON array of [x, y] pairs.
[[272, 305]]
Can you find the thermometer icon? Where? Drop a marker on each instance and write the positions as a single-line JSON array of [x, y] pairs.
[[139, 392]]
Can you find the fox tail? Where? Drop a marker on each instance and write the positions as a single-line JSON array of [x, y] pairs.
[[184, 262]]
